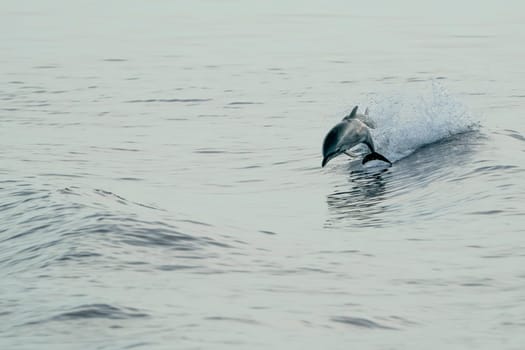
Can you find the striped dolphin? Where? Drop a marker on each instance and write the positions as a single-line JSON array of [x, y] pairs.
[[350, 132]]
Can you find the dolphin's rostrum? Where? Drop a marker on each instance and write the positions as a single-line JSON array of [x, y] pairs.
[[350, 132]]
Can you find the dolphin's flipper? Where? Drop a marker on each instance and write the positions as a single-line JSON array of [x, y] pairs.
[[350, 154], [375, 156]]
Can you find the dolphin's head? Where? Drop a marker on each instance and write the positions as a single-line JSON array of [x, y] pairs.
[[332, 142]]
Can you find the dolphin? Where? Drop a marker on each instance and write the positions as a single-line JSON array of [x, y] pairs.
[[350, 132]]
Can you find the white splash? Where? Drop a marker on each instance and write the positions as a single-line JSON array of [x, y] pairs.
[[406, 122]]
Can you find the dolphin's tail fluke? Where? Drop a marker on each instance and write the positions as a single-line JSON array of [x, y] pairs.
[[375, 156]]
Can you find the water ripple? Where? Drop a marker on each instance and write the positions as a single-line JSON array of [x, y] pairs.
[[171, 100], [101, 311], [360, 322], [232, 319]]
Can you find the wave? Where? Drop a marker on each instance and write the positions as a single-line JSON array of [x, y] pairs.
[[43, 227], [99, 311]]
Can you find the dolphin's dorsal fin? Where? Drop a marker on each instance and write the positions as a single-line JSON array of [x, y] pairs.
[[365, 118], [352, 114]]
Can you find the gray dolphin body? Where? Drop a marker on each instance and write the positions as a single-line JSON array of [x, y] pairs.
[[350, 132]]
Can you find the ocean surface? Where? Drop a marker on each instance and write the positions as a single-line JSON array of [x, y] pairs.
[[161, 183]]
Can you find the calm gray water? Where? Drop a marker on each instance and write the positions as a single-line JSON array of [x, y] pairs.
[[161, 183]]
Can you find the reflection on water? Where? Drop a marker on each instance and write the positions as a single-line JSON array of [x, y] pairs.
[[374, 197], [361, 198]]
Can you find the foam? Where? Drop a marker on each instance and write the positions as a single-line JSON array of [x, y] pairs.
[[406, 122]]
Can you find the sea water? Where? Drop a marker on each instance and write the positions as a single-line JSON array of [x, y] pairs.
[[161, 183]]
